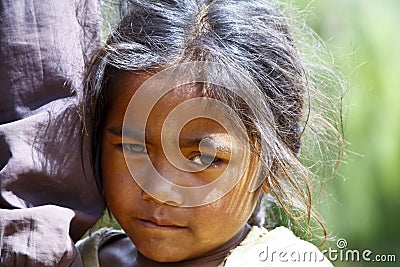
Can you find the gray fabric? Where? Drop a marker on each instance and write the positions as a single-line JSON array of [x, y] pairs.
[[41, 240], [90, 246], [44, 46]]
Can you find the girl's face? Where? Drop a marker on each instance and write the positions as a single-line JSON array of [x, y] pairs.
[[160, 231]]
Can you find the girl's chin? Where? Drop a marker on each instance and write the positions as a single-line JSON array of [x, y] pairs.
[[162, 256]]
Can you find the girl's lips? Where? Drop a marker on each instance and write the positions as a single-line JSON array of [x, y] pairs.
[[162, 225]]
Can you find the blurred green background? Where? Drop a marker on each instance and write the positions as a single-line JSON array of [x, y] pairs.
[[364, 201]]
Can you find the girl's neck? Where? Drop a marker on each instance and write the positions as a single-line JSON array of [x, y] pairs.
[[211, 259]]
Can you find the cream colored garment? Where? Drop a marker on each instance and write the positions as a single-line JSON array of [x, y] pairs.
[[275, 248], [261, 248]]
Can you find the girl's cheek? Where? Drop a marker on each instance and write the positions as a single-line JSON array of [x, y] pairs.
[[121, 193]]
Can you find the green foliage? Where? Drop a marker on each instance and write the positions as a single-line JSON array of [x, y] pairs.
[[364, 203]]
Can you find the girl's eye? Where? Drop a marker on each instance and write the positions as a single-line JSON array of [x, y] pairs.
[[134, 148], [205, 160]]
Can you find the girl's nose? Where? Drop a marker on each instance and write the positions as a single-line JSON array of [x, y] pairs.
[[157, 188], [163, 196]]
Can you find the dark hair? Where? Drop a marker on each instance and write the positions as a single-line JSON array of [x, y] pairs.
[[250, 36]]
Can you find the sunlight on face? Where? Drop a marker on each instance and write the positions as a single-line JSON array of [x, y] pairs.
[[158, 227]]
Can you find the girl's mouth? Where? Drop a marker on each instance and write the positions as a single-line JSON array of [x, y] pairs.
[[160, 224]]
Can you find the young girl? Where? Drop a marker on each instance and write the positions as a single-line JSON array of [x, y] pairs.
[[194, 110]]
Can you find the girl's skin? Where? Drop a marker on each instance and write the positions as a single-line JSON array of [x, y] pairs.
[[164, 234]]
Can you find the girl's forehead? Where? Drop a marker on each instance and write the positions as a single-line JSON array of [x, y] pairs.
[[127, 84], [175, 102], [188, 108]]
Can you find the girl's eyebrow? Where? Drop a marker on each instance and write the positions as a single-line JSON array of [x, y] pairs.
[[117, 130], [219, 141]]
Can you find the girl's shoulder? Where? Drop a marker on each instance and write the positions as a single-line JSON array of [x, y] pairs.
[[261, 248], [106, 246], [275, 248]]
